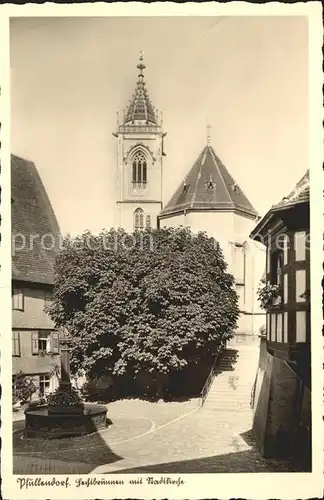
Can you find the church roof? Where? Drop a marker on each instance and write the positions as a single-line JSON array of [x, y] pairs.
[[140, 107], [208, 186], [34, 226]]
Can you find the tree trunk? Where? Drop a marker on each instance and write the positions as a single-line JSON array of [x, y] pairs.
[[161, 385]]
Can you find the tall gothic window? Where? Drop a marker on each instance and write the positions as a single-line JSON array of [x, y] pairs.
[[138, 219], [139, 168]]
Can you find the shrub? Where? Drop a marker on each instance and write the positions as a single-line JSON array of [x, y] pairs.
[[23, 387]]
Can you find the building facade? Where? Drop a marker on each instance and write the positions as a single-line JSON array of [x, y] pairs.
[[208, 199], [282, 402], [35, 236]]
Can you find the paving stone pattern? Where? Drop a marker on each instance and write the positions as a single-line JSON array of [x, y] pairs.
[[174, 437]]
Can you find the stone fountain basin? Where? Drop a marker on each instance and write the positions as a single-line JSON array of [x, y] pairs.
[[43, 423]]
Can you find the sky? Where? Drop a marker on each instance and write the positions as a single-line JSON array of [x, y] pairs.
[[246, 76]]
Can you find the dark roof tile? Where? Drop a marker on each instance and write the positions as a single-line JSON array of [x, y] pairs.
[[35, 230]]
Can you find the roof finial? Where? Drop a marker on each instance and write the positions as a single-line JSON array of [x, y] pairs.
[[208, 133], [141, 65]]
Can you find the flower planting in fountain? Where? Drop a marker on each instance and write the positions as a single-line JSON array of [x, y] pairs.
[[65, 398]]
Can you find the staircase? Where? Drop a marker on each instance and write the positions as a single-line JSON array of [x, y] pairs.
[[230, 391]]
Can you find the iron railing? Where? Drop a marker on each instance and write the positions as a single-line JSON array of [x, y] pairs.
[[205, 390]]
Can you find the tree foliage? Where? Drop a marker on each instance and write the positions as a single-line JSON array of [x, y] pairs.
[[154, 300]]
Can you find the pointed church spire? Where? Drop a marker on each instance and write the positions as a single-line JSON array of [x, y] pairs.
[[140, 108]]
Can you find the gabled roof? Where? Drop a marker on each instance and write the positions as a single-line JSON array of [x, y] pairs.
[[140, 107], [298, 196], [34, 226], [209, 186]]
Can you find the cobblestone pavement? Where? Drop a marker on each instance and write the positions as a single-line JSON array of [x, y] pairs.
[[159, 438], [199, 441]]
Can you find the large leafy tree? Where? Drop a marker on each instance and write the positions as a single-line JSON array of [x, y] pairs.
[[151, 301]]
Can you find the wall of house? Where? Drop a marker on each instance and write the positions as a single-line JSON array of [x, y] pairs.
[[33, 318], [32, 363], [281, 409], [33, 315]]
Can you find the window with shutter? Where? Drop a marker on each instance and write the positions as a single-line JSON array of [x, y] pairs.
[[15, 344], [48, 297], [55, 343], [17, 299], [35, 343]]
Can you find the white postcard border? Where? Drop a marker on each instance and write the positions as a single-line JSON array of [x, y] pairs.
[[255, 485]]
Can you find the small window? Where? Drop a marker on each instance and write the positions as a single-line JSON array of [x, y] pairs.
[[276, 267], [285, 327], [268, 326], [138, 219], [285, 288], [300, 245], [40, 342], [48, 297], [300, 326], [300, 285], [44, 385], [268, 259], [148, 222], [17, 299], [273, 327], [15, 344], [285, 249], [239, 272], [279, 328]]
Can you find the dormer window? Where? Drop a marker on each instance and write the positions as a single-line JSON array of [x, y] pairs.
[[210, 184]]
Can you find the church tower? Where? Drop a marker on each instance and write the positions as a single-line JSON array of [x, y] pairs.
[[139, 160]]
